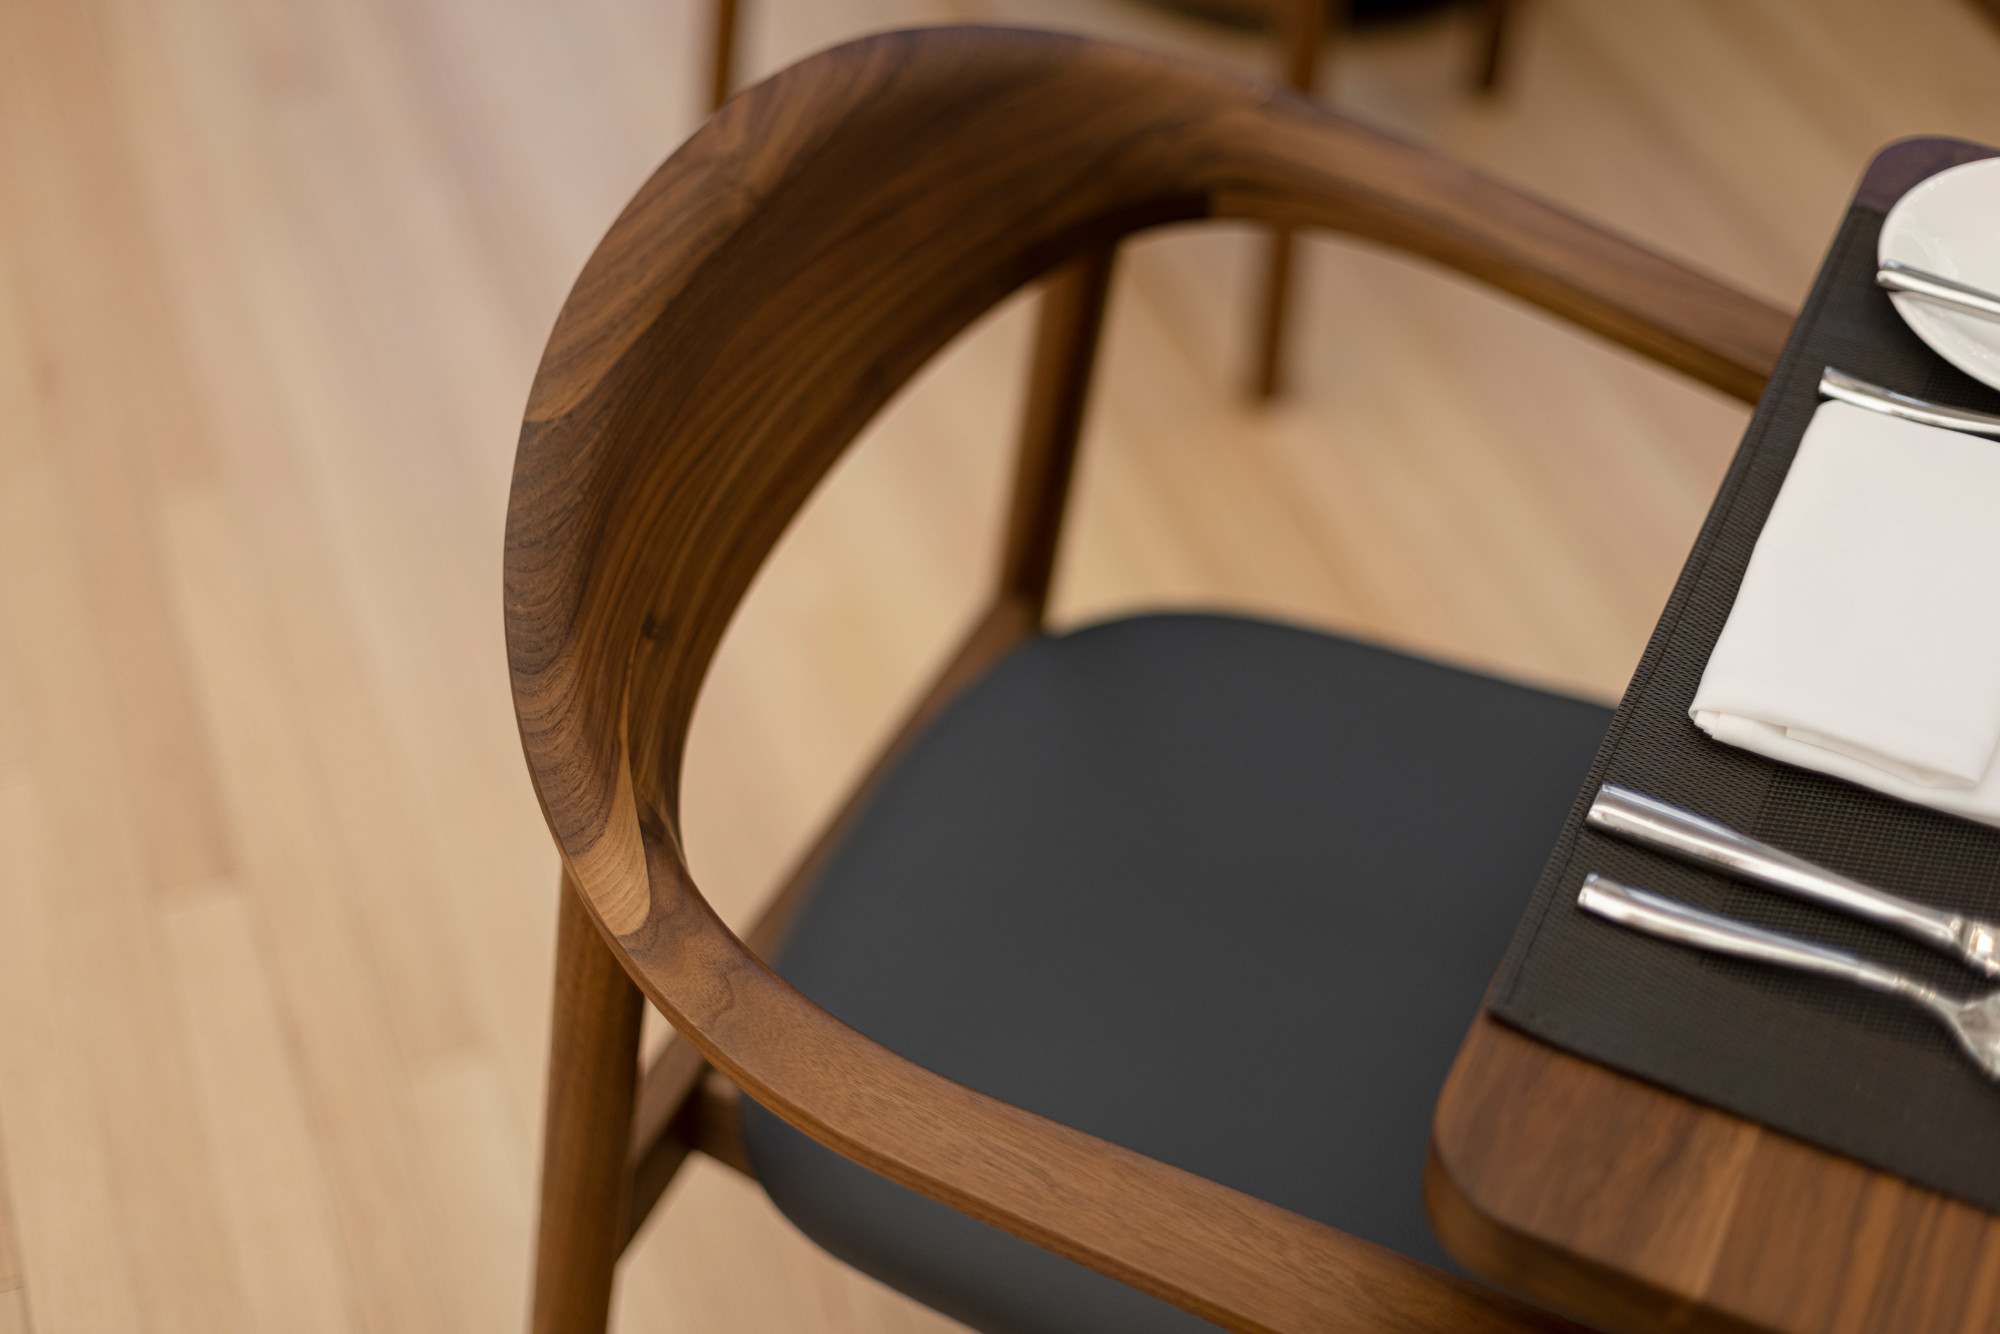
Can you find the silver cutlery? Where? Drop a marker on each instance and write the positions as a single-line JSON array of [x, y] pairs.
[[1658, 824], [1848, 389], [1900, 277], [1975, 1023]]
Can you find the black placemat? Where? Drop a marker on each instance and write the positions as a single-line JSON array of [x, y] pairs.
[[1864, 1075]]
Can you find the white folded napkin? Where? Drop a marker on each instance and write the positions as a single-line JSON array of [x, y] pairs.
[[1865, 641]]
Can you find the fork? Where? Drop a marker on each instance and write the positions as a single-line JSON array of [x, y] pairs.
[[1975, 1023]]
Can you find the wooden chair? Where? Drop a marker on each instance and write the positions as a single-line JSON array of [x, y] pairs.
[[763, 295], [1301, 28]]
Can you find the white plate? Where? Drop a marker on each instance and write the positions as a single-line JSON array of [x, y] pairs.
[[1950, 225]]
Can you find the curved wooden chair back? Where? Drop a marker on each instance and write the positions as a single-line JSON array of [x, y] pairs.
[[763, 295], [1301, 28]]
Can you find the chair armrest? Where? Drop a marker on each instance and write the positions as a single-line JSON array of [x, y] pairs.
[[1313, 167], [1228, 1257]]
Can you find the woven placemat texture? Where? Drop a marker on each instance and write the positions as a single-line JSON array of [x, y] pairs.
[[1864, 1075]]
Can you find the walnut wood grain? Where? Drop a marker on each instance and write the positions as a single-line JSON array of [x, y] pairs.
[[593, 1070], [658, 1143], [1634, 1208], [758, 301], [705, 1117], [1630, 1206], [716, 1124], [1066, 333], [1302, 30]]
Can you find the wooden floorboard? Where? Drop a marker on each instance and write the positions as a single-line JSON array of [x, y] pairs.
[[278, 907], [10, 1243]]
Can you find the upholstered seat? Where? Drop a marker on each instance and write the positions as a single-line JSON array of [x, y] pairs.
[[1221, 891]]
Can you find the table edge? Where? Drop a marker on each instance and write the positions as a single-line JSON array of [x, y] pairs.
[[1492, 1238]]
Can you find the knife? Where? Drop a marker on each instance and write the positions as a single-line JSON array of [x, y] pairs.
[[1657, 824], [1851, 389], [1900, 277]]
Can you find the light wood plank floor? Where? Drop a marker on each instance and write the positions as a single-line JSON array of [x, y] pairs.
[[275, 899]]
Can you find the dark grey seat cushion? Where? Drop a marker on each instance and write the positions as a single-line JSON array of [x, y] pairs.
[[1222, 891]]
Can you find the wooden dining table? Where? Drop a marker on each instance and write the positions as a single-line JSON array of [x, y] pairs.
[[1637, 1209]]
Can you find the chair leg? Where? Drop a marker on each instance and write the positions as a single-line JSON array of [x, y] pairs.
[[1066, 333], [1303, 30], [593, 1078], [1277, 297], [1496, 16], [722, 78]]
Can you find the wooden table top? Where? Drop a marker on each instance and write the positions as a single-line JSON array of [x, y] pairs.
[[1637, 1209]]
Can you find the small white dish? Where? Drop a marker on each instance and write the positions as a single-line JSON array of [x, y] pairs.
[[1950, 225]]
